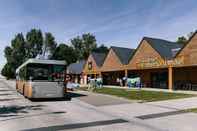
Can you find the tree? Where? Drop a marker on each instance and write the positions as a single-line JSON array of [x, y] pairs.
[[84, 45], [89, 44], [101, 49], [182, 40], [18, 50], [34, 45], [8, 53], [15, 55], [77, 44], [49, 45], [65, 52], [8, 71], [21, 50]]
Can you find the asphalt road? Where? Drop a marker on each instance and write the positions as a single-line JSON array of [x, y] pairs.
[[92, 112], [18, 113]]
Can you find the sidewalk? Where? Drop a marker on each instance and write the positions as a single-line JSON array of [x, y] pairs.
[[164, 115], [11, 83], [178, 104], [96, 99]]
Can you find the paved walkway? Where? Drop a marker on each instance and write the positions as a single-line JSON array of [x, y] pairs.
[[162, 114], [165, 115], [99, 99]]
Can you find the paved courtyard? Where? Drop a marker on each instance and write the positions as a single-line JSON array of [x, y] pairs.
[[88, 111], [101, 99]]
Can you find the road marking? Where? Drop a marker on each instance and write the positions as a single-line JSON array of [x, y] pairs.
[[158, 115], [7, 90], [10, 99], [16, 117], [6, 94], [79, 125], [162, 106]]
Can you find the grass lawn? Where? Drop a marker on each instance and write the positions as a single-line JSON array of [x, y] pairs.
[[142, 95], [191, 110]]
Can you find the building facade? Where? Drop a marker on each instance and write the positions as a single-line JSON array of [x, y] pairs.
[[152, 62], [114, 66], [159, 64], [92, 68]]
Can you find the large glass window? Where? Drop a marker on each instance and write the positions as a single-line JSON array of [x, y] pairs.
[[45, 72]]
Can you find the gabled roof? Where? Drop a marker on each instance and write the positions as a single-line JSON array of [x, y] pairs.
[[124, 54], [164, 47], [76, 68], [99, 58]]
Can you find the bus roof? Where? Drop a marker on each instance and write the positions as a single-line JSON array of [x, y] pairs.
[[41, 61]]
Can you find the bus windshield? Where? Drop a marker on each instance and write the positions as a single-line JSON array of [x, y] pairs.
[[45, 72]]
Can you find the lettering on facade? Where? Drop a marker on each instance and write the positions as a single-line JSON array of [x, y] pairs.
[[158, 62]]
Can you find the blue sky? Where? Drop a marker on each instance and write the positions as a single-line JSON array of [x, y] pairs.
[[113, 22]]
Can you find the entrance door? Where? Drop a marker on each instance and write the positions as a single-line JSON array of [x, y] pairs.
[[110, 78], [159, 80]]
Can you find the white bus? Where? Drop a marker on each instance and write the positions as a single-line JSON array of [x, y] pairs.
[[38, 78]]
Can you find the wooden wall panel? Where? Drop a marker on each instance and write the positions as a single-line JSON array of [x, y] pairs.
[[112, 63], [189, 52], [144, 52], [95, 68]]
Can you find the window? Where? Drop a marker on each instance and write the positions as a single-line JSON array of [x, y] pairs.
[[45, 72], [58, 71]]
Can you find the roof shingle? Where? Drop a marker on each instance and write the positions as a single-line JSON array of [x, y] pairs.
[[164, 47], [99, 58], [124, 54], [76, 68]]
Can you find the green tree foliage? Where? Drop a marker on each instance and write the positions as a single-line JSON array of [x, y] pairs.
[[65, 52], [18, 50], [21, 49], [8, 53], [15, 55], [182, 40], [84, 45], [49, 45], [101, 49], [8, 71], [34, 45]]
